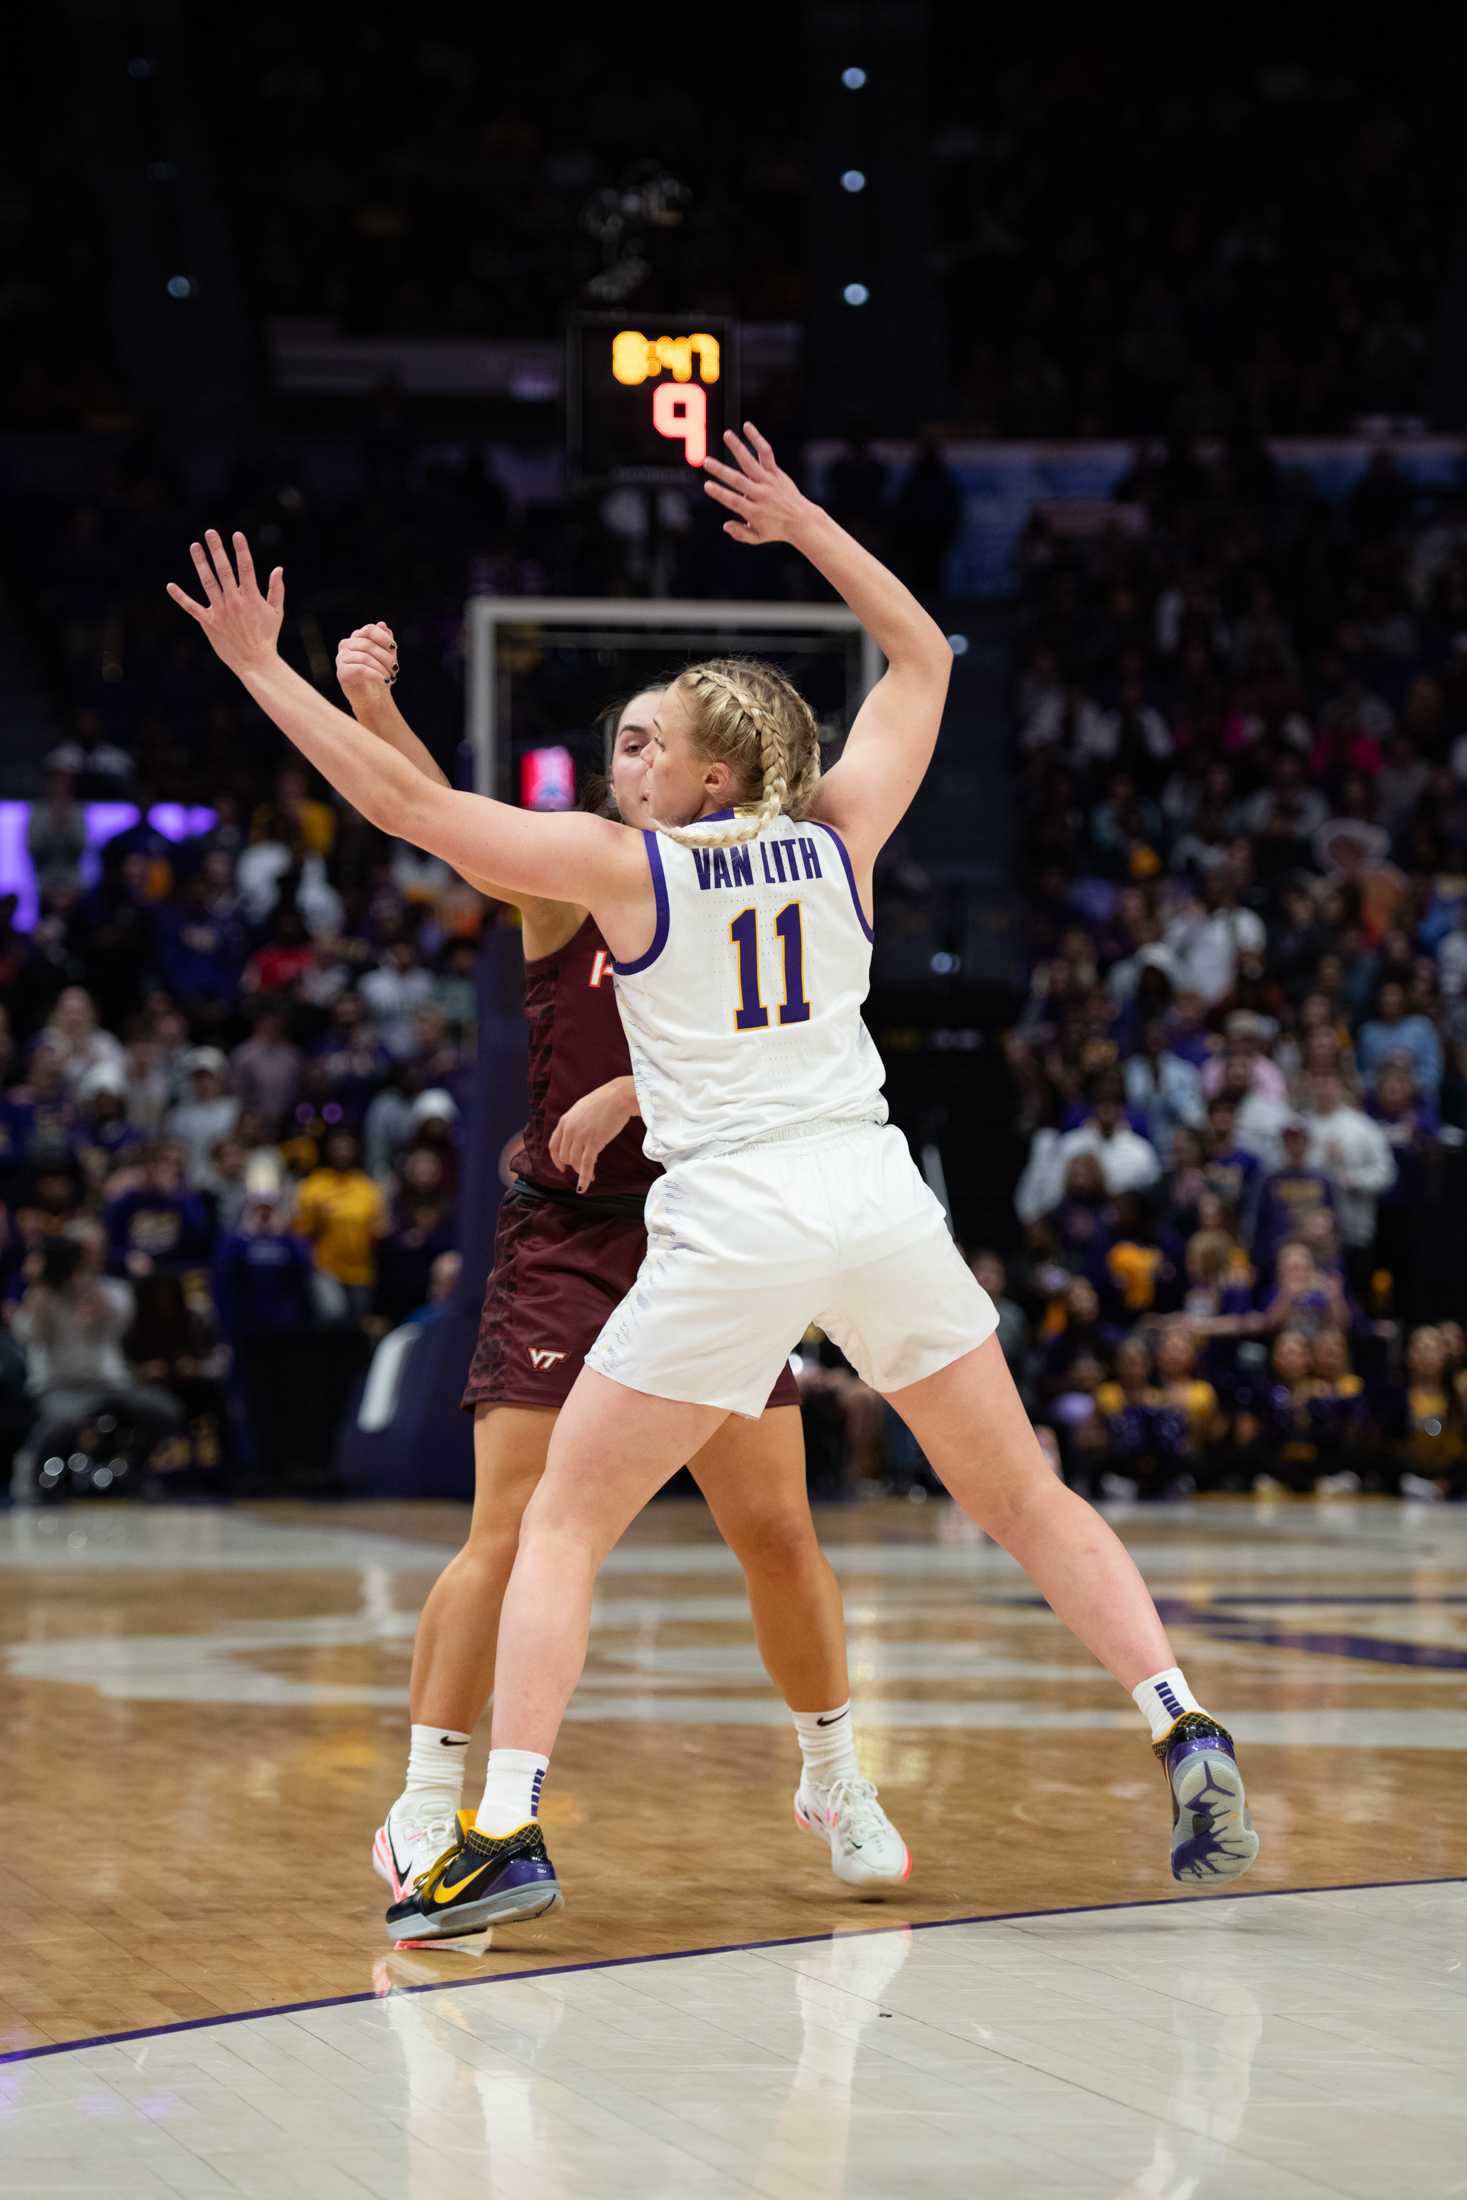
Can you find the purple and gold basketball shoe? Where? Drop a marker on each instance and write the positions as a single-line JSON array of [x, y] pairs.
[[484, 1879], [1212, 1833]]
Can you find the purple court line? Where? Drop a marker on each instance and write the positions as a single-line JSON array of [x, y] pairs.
[[679, 1955]]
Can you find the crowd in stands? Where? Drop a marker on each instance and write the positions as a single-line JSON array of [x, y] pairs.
[[231, 1074], [451, 178], [1242, 1062], [1126, 244]]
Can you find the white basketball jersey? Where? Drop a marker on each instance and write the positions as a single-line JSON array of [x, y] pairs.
[[744, 1015]]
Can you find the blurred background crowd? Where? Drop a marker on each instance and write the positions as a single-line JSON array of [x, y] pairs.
[[1242, 1059], [1177, 938], [233, 1069]]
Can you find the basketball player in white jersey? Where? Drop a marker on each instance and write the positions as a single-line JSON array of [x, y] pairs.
[[742, 941]]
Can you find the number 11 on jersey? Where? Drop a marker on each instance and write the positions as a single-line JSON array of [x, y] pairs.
[[789, 927]]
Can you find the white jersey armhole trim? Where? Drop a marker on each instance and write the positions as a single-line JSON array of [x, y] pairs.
[[845, 858], [660, 928]]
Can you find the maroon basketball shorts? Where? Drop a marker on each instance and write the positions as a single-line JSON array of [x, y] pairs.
[[558, 1273]]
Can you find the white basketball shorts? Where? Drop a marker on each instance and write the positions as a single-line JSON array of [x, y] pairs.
[[746, 1249]]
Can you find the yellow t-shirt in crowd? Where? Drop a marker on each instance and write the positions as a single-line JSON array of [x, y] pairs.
[[1135, 1269], [316, 820], [341, 1213], [1198, 1400], [1435, 1440]]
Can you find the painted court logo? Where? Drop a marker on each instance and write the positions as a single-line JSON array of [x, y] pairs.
[[542, 1359]]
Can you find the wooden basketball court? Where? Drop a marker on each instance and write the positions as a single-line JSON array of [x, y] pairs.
[[204, 1719]]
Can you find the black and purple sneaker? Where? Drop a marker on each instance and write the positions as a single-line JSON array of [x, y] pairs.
[[487, 1879], [1212, 1833]]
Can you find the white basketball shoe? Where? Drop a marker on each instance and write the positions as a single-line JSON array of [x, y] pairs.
[[410, 1841], [865, 1848]]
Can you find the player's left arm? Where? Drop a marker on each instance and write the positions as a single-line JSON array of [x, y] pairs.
[[889, 747], [567, 857]]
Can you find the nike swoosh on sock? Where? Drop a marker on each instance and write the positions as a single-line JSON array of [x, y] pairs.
[[836, 1720]]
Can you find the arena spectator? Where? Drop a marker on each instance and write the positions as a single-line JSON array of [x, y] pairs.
[[1341, 1416], [1304, 1296], [104, 1139], [207, 1113], [266, 1068], [1393, 1032], [1354, 1154], [393, 994], [262, 1274], [419, 1233], [1163, 1090], [1209, 936], [1187, 1391], [1013, 1322], [1426, 1421], [200, 951], [75, 1038], [56, 834], [341, 1213], [295, 814], [1128, 1162], [1288, 1194], [263, 1279], [1279, 1437], [71, 1324], [1246, 1038], [155, 1221]]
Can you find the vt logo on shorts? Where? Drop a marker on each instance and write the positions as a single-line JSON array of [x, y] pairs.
[[542, 1359]]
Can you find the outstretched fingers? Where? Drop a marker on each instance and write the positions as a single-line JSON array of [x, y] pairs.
[[748, 463], [220, 558], [764, 449], [244, 562], [208, 579], [730, 476], [730, 498], [199, 611]]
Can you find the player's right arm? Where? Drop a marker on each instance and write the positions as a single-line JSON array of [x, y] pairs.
[[548, 857], [888, 749], [366, 666]]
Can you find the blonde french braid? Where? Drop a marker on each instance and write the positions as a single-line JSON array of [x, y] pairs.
[[748, 715]]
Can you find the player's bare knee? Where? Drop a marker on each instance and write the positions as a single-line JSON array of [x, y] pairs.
[[778, 1548]]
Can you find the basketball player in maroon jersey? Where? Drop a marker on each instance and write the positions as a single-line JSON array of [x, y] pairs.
[[569, 1242]]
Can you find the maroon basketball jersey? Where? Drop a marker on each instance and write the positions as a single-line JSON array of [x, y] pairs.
[[576, 1044]]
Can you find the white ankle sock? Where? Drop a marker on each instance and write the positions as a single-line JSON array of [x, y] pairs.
[[1162, 1700], [435, 1767], [827, 1744], [511, 1789]]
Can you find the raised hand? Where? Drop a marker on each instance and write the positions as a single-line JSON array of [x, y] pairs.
[[766, 504], [242, 625], [366, 665]]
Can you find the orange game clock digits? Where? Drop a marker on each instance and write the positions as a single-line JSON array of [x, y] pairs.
[[649, 397]]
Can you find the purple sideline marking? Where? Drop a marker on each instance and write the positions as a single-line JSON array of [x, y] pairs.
[[678, 1955]]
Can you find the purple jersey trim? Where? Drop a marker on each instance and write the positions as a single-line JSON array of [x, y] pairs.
[[850, 873], [659, 889]]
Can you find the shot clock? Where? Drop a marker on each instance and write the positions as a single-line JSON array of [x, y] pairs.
[[649, 395]]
